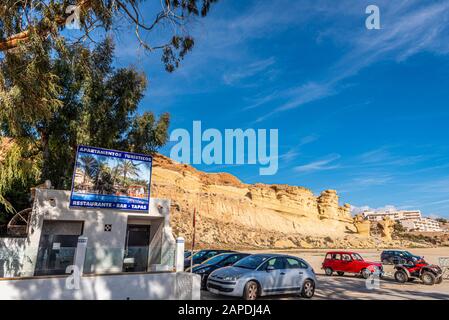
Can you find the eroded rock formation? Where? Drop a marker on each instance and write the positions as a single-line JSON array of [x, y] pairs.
[[237, 214], [362, 225], [386, 227]]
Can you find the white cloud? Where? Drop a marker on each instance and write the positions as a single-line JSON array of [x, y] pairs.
[[356, 210], [371, 181], [301, 95], [289, 155], [294, 151], [306, 93], [320, 165], [308, 139], [435, 216], [255, 68], [408, 28]]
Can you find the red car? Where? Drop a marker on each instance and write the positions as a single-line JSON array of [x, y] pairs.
[[343, 262]]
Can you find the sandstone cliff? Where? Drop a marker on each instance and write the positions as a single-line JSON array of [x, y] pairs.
[[234, 214]]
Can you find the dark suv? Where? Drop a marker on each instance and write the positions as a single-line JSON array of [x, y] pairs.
[[201, 256], [398, 257], [216, 262]]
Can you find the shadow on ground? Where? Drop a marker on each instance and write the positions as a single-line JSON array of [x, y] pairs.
[[355, 288]]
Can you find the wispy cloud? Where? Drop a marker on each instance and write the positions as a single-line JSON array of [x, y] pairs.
[[290, 155], [293, 152], [308, 139], [369, 181], [356, 210], [436, 186], [381, 168], [438, 202], [383, 156], [301, 95], [409, 27], [255, 68], [261, 100], [319, 165]]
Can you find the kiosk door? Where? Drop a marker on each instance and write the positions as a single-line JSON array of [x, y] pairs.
[[137, 248]]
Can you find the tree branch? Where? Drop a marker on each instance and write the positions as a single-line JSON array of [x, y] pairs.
[[14, 40]]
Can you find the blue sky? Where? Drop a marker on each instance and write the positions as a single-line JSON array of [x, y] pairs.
[[361, 111]]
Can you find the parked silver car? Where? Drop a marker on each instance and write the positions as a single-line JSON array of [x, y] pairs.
[[264, 274]]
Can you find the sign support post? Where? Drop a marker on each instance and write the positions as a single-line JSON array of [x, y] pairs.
[[193, 238]]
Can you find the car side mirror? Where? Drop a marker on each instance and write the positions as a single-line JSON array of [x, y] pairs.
[[270, 268]]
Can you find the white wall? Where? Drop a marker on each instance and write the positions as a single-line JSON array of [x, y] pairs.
[[148, 286], [106, 249], [11, 256]]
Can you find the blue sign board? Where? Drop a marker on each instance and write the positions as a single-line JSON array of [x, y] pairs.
[[111, 179]]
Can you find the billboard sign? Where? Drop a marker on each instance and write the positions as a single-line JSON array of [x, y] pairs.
[[111, 179]]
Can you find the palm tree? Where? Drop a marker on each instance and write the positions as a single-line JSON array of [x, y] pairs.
[[128, 168], [103, 179], [89, 166]]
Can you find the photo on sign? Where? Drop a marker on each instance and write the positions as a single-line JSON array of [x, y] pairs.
[[111, 179]]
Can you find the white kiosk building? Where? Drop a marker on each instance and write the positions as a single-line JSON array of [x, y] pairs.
[[131, 254]]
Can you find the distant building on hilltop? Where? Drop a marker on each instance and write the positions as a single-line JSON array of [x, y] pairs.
[[422, 225], [409, 219], [445, 227], [396, 215]]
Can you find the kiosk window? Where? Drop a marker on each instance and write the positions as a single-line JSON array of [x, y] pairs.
[[57, 246]]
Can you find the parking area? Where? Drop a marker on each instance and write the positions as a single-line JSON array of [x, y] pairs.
[[354, 287], [350, 287]]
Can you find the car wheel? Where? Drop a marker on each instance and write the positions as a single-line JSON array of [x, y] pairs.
[[439, 280], [366, 273], [328, 271], [340, 273], [308, 289], [400, 276], [251, 291], [428, 278]]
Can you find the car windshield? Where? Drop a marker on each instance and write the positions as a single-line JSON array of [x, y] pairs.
[[199, 254], [356, 256], [251, 262], [407, 254], [215, 260]]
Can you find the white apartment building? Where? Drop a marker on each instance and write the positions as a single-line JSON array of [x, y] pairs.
[[396, 215], [410, 219], [422, 225]]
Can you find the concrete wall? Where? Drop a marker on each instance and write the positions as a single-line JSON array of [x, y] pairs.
[[153, 286], [105, 250]]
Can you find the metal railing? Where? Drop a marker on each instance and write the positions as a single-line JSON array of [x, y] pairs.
[[19, 260]]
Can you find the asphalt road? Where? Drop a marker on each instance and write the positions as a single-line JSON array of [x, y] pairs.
[[355, 287]]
